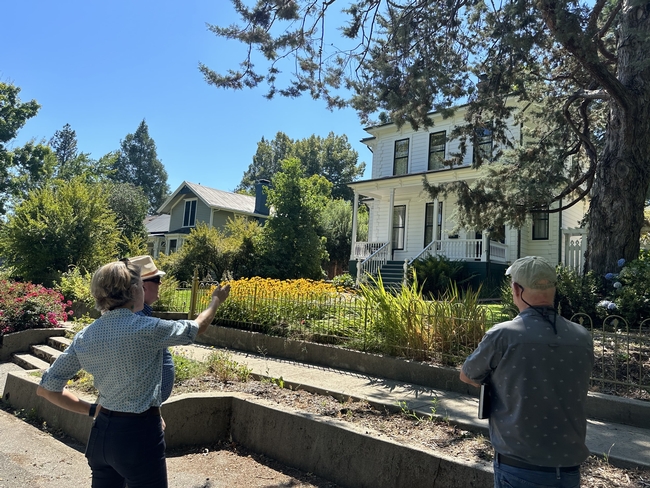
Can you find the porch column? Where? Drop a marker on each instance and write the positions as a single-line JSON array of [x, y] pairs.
[[485, 237], [355, 212], [156, 246], [391, 209]]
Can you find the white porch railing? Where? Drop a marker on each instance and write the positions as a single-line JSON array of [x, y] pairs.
[[364, 249], [575, 245], [374, 261], [463, 250]]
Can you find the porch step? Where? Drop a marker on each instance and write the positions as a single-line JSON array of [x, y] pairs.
[[46, 353], [392, 273], [59, 343], [29, 361]]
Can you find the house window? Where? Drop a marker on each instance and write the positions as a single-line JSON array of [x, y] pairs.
[[483, 145], [172, 246], [540, 226], [189, 217], [428, 224], [399, 224], [401, 160], [433, 225], [437, 142]]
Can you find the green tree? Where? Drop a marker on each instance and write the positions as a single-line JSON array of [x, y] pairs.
[[13, 115], [336, 226], [137, 163], [290, 244], [204, 249], [580, 69], [63, 224], [331, 157], [242, 238], [64, 144], [130, 205], [266, 161]]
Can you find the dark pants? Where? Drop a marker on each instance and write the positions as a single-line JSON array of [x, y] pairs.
[[125, 450], [510, 477]]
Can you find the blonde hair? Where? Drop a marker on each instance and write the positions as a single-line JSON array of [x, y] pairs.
[[113, 284]]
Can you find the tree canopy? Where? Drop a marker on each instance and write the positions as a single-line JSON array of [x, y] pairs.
[[65, 223], [581, 71], [331, 157], [290, 244], [137, 163]]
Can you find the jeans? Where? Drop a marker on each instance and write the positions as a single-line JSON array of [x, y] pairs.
[[510, 477], [125, 450]]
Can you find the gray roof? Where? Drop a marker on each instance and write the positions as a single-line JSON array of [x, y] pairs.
[[214, 198], [157, 224]]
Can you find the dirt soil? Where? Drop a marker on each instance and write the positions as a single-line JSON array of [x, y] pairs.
[[405, 427]]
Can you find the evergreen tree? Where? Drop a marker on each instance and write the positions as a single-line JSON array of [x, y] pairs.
[[137, 163], [64, 144], [331, 157], [291, 246], [580, 71]]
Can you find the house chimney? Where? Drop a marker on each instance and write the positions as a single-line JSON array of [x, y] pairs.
[[261, 207]]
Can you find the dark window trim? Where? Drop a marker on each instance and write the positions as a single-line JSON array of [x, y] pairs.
[[429, 222], [406, 158], [432, 135], [189, 220], [399, 228], [540, 217]]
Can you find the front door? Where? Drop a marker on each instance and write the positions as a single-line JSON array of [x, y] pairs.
[[399, 226]]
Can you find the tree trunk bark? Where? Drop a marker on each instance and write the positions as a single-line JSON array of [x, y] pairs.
[[623, 172]]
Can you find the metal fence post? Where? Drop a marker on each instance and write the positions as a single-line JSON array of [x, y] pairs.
[[194, 295]]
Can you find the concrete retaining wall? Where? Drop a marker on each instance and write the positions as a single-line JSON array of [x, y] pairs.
[[602, 407], [20, 341], [328, 448]]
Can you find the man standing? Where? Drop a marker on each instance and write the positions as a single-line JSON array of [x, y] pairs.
[[536, 368], [151, 278]]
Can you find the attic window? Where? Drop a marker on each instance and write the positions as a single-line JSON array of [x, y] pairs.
[[189, 217]]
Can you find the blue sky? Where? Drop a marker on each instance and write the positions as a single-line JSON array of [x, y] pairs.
[[104, 66]]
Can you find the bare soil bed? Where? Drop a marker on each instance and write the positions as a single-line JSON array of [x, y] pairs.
[[404, 427]]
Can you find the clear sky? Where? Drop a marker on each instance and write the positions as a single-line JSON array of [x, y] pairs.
[[104, 66]]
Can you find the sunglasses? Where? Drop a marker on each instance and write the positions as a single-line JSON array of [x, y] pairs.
[[155, 279]]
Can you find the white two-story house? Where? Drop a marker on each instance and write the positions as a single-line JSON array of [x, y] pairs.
[[405, 223]]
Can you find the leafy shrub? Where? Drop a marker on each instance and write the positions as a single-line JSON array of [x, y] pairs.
[[344, 280], [437, 273], [167, 295], [627, 292], [27, 306], [75, 286]]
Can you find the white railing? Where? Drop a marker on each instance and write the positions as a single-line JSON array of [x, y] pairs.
[[373, 263], [364, 249], [575, 245], [463, 250], [498, 252]]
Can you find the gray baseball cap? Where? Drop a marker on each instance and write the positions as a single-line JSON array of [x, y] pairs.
[[533, 272]]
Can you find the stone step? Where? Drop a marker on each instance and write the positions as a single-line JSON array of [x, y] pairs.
[[29, 361], [59, 343], [46, 353]]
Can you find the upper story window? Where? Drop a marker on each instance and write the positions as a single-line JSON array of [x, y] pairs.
[[483, 145], [189, 217], [401, 160], [540, 226], [437, 141]]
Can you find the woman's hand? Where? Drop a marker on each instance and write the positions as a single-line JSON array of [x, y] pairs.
[[221, 292]]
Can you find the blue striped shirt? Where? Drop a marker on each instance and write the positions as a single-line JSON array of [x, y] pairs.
[[124, 353]]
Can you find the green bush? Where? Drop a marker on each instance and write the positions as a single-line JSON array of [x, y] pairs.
[[629, 290], [75, 286], [437, 273], [344, 280]]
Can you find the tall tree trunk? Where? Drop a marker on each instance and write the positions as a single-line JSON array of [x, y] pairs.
[[623, 171]]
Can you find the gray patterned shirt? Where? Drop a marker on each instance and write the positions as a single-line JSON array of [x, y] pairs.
[[538, 383], [124, 353]]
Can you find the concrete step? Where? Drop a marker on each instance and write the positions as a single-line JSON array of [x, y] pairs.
[[59, 343], [29, 361], [46, 353]]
